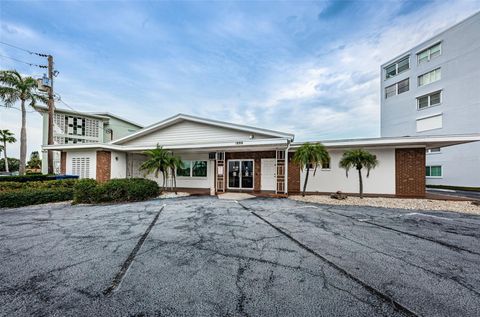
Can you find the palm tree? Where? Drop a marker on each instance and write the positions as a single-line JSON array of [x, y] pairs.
[[6, 136], [310, 154], [174, 162], [158, 162], [358, 159], [13, 88]]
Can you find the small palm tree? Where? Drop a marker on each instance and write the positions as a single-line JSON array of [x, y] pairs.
[[358, 159], [6, 136], [13, 88], [157, 162], [310, 154], [174, 162]]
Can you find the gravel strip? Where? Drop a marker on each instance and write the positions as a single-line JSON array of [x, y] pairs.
[[173, 195], [402, 203]]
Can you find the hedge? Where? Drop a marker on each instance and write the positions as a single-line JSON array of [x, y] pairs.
[[7, 186], [25, 197], [116, 190], [35, 178]]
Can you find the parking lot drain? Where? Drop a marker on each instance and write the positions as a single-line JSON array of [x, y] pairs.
[[384, 297], [123, 270]]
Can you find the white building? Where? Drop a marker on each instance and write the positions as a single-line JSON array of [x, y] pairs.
[[72, 127], [434, 89]]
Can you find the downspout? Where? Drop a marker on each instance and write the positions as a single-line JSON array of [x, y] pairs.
[[286, 167]]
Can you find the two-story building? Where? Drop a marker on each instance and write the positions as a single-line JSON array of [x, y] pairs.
[[72, 127]]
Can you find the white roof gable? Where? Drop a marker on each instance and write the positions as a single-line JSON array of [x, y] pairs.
[[185, 129]]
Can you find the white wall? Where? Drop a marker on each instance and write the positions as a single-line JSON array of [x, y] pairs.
[[118, 165], [380, 181], [92, 154]]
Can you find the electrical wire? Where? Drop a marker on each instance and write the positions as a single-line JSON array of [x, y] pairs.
[[20, 61], [23, 49]]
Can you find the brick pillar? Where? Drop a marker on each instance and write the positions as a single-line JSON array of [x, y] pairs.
[[410, 172], [63, 163], [293, 176], [103, 165]]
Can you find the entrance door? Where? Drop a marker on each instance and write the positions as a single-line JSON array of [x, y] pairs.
[[268, 174], [240, 174]]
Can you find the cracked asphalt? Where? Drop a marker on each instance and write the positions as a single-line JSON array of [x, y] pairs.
[[200, 256]]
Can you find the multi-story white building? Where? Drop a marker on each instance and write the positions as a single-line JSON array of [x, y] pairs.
[[434, 89], [71, 127]]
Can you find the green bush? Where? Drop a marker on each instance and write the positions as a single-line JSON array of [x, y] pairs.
[[115, 190], [64, 183], [25, 197], [35, 178]]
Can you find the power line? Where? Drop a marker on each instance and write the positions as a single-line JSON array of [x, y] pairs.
[[23, 49], [24, 62]]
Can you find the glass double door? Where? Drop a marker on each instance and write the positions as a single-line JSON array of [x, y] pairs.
[[240, 174]]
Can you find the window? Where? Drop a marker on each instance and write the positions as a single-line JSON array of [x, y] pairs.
[[430, 77], [326, 165], [434, 171], [434, 150], [398, 88], [429, 53], [193, 169], [430, 123], [429, 100], [398, 67]]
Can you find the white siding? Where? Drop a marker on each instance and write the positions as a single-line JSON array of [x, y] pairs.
[[430, 123], [118, 165], [187, 132], [91, 156], [380, 181]]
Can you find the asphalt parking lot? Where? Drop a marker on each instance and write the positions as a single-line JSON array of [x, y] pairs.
[[201, 256]]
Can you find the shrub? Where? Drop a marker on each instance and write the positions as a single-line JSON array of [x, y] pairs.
[[35, 178], [13, 164], [115, 190], [7, 186], [25, 197]]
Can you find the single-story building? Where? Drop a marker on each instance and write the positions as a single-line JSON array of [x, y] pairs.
[[221, 156]]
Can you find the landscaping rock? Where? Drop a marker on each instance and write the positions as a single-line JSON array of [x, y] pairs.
[[476, 202], [338, 195]]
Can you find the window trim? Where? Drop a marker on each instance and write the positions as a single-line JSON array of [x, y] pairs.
[[396, 88], [430, 71], [396, 66], [428, 48], [434, 177], [429, 98]]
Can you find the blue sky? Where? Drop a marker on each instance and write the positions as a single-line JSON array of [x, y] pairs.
[[310, 68]]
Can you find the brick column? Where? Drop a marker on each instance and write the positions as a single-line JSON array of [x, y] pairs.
[[410, 172], [63, 163], [103, 165], [293, 176]]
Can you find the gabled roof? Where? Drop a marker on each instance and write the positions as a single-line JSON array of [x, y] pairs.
[[184, 117]]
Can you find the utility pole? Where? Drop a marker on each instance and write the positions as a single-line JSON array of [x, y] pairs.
[[51, 108]]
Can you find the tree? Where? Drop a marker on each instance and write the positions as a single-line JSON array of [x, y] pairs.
[[310, 155], [14, 88], [358, 159], [174, 162], [6, 136], [35, 161], [158, 162]]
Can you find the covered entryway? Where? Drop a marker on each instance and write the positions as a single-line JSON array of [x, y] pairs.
[[268, 174]]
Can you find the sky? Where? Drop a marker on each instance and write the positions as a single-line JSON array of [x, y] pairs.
[[308, 68]]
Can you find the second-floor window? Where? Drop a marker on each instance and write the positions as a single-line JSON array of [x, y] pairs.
[[429, 100], [429, 53], [430, 77], [397, 88], [398, 67]]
